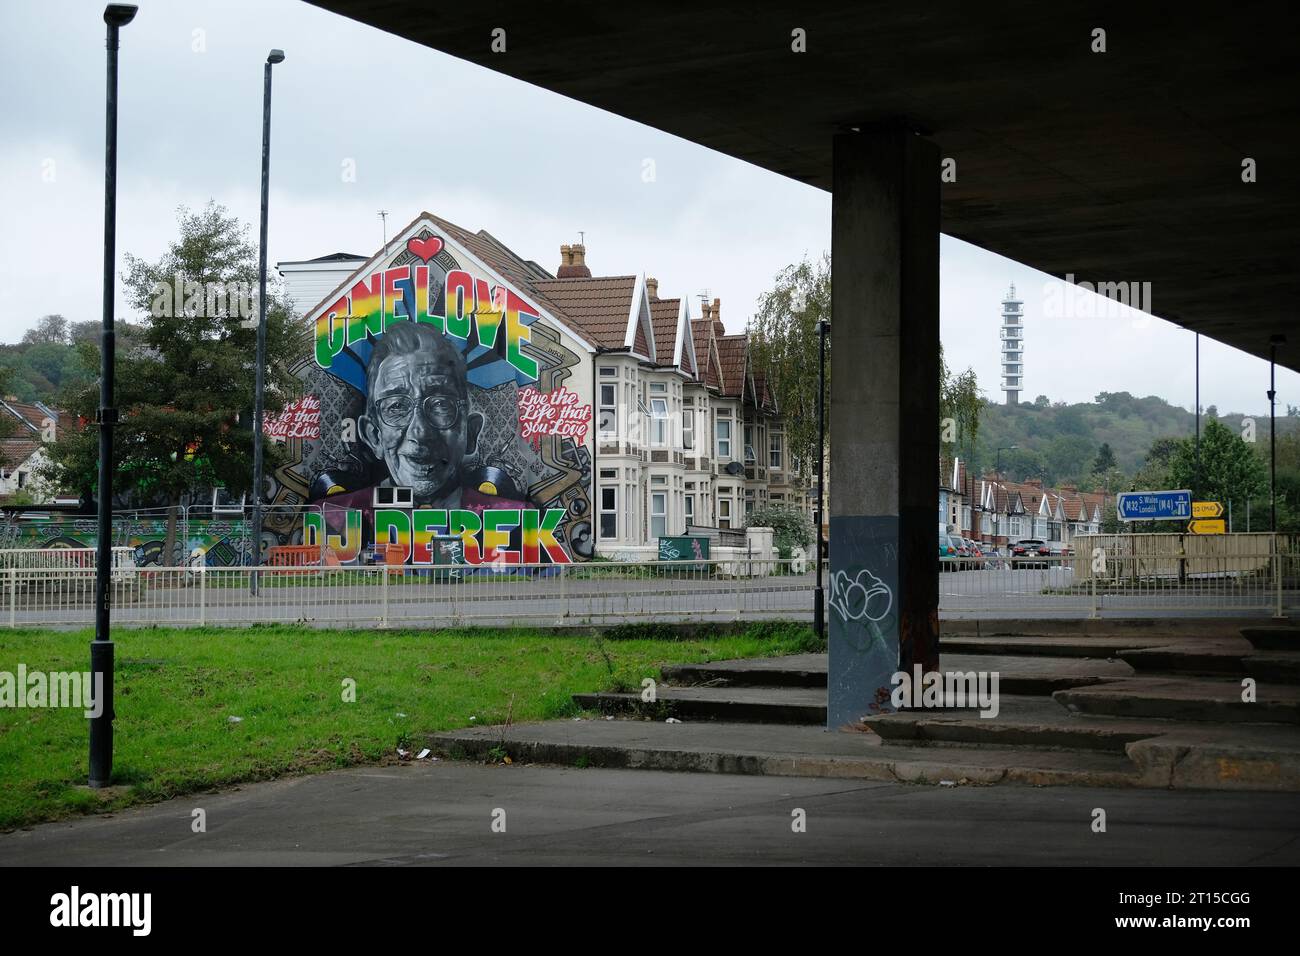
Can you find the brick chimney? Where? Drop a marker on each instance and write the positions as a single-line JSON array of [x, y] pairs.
[[652, 287], [573, 262]]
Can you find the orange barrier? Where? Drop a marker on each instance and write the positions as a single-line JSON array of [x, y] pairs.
[[294, 556], [394, 557]]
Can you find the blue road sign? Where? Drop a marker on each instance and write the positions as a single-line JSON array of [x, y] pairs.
[[1153, 505]]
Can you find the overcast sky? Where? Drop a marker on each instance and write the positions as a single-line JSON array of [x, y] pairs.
[[426, 131]]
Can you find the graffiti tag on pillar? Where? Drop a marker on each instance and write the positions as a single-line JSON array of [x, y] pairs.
[[863, 596]]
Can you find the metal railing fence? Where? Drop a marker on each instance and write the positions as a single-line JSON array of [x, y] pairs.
[[1100, 583]]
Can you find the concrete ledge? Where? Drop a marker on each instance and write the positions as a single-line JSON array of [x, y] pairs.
[[1265, 759], [1185, 699], [1280, 667], [1165, 626], [796, 670], [794, 752], [936, 730], [1054, 645], [1274, 638], [767, 705]]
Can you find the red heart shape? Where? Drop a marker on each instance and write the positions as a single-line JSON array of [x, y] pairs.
[[426, 249]]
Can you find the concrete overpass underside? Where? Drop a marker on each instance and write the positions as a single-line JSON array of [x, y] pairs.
[[1116, 166]]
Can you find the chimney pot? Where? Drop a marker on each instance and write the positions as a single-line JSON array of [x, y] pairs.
[[572, 262], [652, 288]]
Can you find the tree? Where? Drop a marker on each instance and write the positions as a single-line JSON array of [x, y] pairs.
[[1105, 460], [1288, 488], [49, 330], [784, 339], [959, 400], [89, 332], [185, 384], [1229, 469], [1042, 402], [783, 333], [1154, 473]]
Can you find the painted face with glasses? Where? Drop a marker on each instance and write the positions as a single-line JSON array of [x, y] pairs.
[[417, 412]]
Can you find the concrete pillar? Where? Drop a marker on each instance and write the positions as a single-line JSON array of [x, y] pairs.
[[883, 592]]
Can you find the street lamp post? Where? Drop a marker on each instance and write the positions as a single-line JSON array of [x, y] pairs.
[[1197, 491], [819, 595], [275, 56], [1273, 343], [116, 16]]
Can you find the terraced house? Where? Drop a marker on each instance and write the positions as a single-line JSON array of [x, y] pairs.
[[994, 510], [26, 428], [650, 420]]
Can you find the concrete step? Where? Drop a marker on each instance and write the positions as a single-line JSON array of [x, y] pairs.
[[1135, 631], [782, 751], [1101, 646], [1035, 722], [1230, 757], [795, 670], [764, 705], [1273, 637], [1277, 667], [1036, 674], [1185, 699], [1017, 674]]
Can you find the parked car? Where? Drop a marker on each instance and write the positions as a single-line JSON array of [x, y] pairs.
[[961, 552], [1030, 552], [992, 557], [946, 553]]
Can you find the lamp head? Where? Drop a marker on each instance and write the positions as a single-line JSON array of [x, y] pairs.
[[275, 56], [119, 14]]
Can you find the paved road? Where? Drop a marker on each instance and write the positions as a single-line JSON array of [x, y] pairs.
[[506, 598], [441, 814]]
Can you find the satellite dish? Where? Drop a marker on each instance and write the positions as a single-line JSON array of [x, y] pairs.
[[734, 468]]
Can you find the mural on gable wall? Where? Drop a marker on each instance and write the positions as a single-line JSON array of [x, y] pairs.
[[430, 377]]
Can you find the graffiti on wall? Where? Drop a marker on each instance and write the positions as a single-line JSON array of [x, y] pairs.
[[558, 412], [435, 407], [300, 419], [223, 542]]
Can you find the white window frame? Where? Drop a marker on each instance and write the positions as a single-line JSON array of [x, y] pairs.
[[659, 422], [611, 408], [724, 444], [611, 512], [658, 513]]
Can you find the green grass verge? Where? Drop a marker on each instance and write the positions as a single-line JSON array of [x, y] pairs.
[[177, 689]]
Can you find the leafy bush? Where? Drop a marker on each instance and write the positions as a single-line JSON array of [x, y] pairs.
[[791, 527]]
